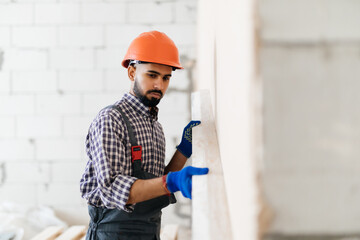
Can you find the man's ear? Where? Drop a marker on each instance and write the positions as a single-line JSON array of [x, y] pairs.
[[131, 72]]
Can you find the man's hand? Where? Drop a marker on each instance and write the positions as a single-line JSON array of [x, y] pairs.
[[185, 147], [182, 180]]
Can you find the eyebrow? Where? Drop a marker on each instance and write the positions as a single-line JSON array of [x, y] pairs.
[[152, 71]]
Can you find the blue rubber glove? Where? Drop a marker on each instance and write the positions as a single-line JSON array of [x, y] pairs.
[[182, 180], [185, 146]]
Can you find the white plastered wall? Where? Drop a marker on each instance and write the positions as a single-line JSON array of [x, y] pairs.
[[227, 68]]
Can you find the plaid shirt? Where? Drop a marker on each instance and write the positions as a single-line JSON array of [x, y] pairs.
[[107, 179]]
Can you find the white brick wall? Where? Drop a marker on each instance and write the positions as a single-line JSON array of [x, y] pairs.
[[111, 13], [16, 104], [29, 172], [185, 11], [32, 127], [4, 82], [25, 59], [61, 65], [57, 13], [110, 58], [16, 149], [54, 105], [38, 37], [16, 192], [34, 82], [4, 36], [116, 80], [9, 14], [81, 36], [59, 148], [81, 81], [149, 11], [77, 126], [93, 103], [64, 58], [7, 127], [115, 34], [73, 170]]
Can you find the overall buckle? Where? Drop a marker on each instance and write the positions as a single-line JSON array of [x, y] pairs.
[[136, 152]]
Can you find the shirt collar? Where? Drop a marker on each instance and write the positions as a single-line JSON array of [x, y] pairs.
[[139, 107]]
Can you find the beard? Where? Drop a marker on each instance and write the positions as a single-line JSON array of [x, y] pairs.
[[142, 97]]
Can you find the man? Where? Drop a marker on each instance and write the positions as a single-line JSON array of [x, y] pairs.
[[126, 183]]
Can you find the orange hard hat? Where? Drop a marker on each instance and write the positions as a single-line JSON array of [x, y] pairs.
[[153, 47]]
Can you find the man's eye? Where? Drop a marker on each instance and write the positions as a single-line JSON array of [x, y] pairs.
[[166, 78], [152, 75]]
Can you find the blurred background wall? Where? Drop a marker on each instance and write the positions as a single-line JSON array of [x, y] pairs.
[[310, 68], [60, 63]]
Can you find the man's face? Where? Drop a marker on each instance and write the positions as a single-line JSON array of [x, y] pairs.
[[149, 82]]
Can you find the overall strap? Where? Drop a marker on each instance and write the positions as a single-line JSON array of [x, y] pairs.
[[135, 148]]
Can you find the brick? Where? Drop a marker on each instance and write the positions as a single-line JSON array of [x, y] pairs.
[[35, 127], [93, 103], [19, 193], [59, 149], [117, 81], [27, 172], [64, 194], [73, 170], [183, 34], [25, 59], [34, 81], [122, 35], [57, 13], [77, 126], [186, 11], [34, 36], [4, 36], [103, 13], [52, 105], [153, 12], [9, 14], [71, 59], [17, 105], [4, 82], [81, 36], [81, 81], [7, 126], [110, 58], [16, 149]]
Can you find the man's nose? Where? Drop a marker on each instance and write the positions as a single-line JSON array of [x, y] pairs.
[[158, 83]]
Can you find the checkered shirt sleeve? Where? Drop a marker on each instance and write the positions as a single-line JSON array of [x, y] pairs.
[[107, 181]]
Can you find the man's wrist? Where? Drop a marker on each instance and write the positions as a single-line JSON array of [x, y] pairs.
[[165, 185], [181, 149]]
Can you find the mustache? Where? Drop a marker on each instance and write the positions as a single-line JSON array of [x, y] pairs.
[[155, 91]]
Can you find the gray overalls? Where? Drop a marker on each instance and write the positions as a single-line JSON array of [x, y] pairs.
[[143, 223]]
